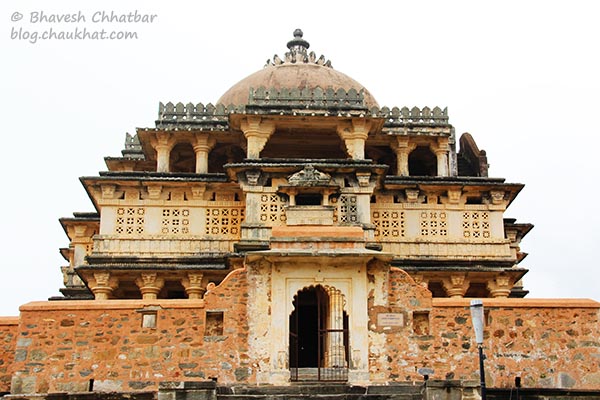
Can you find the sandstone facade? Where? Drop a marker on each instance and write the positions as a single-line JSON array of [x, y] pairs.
[[302, 234]]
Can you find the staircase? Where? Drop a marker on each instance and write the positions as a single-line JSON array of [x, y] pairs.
[[297, 391]]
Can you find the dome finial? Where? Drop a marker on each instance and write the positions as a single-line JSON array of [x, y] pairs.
[[297, 44]]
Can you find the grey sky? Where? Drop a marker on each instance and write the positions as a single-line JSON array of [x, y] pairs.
[[521, 77]]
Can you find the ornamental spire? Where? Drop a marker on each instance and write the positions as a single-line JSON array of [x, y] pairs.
[[299, 53], [297, 44]]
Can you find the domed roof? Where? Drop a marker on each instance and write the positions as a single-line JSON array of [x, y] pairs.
[[297, 70]]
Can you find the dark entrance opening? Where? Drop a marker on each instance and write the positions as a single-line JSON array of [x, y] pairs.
[[318, 336], [422, 162]]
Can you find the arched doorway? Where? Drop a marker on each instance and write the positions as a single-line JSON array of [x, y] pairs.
[[318, 346]]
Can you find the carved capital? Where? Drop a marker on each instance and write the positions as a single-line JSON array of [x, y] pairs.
[[252, 177], [154, 191], [108, 191], [456, 285], [500, 286], [203, 142], [163, 141], [150, 285], [363, 178], [354, 133], [193, 285], [454, 196], [412, 195], [102, 285], [497, 197], [257, 131]]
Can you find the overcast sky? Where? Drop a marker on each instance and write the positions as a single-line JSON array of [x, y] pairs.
[[521, 76]]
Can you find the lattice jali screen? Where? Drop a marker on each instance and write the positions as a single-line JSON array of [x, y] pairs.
[[346, 211], [434, 223], [129, 221], [272, 212], [476, 224], [388, 223], [224, 222], [175, 221]]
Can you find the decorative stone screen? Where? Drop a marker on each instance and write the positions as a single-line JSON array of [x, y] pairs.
[[346, 210], [272, 212], [476, 225], [129, 221], [175, 221], [389, 222], [433, 223], [224, 221]]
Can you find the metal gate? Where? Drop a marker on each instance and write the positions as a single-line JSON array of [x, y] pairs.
[[319, 336]]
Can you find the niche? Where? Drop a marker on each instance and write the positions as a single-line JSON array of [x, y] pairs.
[[421, 323], [214, 323]]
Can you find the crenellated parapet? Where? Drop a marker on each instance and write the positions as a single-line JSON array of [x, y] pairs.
[[200, 116], [296, 101], [400, 117], [326, 100]]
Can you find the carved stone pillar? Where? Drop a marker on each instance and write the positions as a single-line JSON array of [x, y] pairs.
[[150, 285], [193, 285], [500, 286], [456, 286], [257, 132], [402, 149], [335, 351], [80, 236], [441, 153], [203, 144], [163, 145], [102, 285], [354, 134]]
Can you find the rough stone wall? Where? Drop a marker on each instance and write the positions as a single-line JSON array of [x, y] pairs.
[[62, 345], [8, 340], [548, 343]]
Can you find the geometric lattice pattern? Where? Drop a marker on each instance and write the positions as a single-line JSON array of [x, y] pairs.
[[346, 211], [130, 221], [175, 221], [476, 224], [389, 223], [224, 221], [272, 210], [433, 223]]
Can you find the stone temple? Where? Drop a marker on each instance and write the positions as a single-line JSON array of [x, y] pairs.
[[296, 232]]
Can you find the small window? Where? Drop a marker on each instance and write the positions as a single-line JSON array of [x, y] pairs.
[[149, 320], [308, 199]]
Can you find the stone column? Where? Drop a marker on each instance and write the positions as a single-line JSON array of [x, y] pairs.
[[193, 285], [500, 286], [150, 285], [456, 286], [80, 240], [354, 134], [203, 144], [102, 285], [335, 352], [257, 131], [402, 148], [441, 153], [163, 145]]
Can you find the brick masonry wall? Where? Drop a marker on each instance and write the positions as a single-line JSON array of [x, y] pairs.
[[62, 345], [8, 339], [548, 343]]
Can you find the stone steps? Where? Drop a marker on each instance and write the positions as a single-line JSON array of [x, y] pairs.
[[321, 391], [295, 391]]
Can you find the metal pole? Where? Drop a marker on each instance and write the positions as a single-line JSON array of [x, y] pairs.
[[482, 372]]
